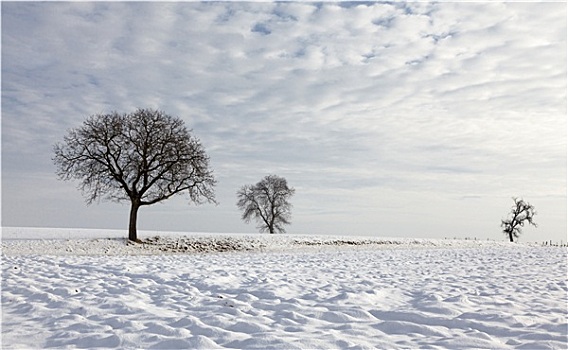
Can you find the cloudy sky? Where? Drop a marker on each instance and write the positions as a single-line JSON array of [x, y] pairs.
[[390, 119]]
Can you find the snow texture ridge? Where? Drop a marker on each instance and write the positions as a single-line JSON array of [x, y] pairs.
[[282, 292]]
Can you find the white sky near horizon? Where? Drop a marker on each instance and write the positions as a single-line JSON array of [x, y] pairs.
[[389, 119]]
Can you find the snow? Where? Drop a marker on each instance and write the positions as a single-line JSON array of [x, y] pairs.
[[205, 291]]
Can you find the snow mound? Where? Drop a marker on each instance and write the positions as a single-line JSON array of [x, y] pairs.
[[20, 241]]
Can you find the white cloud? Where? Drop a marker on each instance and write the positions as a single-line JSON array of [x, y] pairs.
[[443, 100]]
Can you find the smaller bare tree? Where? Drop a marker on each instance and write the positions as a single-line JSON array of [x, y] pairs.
[[267, 202], [521, 212]]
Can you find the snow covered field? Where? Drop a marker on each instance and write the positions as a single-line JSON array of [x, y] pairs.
[[278, 291]]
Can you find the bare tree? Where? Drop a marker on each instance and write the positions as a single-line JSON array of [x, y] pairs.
[[267, 202], [520, 212], [144, 157]]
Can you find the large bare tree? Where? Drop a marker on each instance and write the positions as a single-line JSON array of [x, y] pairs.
[[267, 202], [144, 157], [520, 212]]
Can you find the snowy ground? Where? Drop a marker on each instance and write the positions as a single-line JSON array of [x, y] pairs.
[[275, 291]]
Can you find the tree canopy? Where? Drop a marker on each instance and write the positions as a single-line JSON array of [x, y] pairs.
[[267, 202], [520, 212], [145, 157]]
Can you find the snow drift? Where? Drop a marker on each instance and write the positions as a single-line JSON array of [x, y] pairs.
[[258, 291]]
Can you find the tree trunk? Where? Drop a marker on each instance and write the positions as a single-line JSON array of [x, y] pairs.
[[511, 237], [132, 224]]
